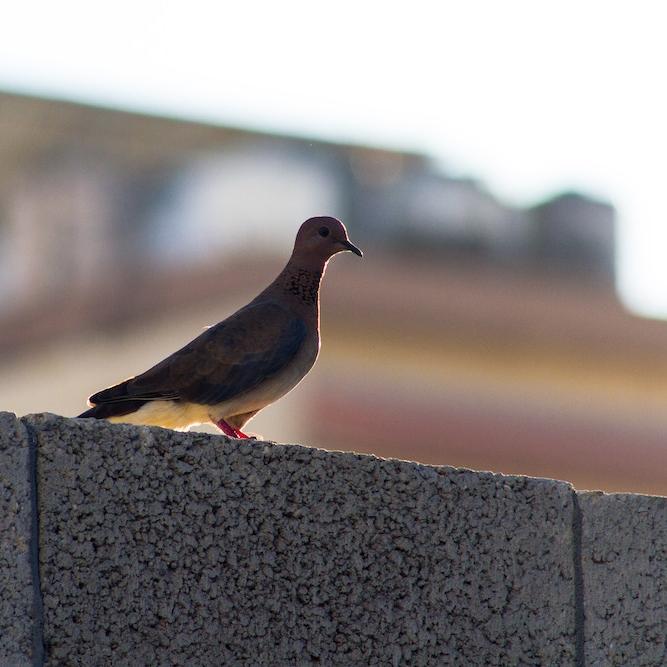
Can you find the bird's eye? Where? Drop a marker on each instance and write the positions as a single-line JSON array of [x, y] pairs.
[[323, 231]]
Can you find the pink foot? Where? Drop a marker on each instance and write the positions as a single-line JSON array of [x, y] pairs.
[[230, 430]]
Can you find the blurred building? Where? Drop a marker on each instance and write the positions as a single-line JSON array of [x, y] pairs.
[[576, 233], [480, 334]]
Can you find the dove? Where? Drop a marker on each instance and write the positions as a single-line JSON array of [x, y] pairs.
[[232, 370]]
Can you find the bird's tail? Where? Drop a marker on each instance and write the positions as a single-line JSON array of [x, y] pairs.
[[106, 410]]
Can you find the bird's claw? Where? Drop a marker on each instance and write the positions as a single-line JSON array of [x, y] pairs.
[[232, 432]]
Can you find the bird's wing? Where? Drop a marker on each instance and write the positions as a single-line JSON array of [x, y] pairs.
[[226, 360]]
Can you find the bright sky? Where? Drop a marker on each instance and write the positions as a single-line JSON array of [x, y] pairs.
[[529, 96]]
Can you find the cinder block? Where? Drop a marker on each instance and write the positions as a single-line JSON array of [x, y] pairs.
[[16, 590], [166, 548], [624, 561]]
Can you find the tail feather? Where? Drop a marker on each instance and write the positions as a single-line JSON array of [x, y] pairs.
[[122, 399], [106, 410], [117, 392], [124, 392]]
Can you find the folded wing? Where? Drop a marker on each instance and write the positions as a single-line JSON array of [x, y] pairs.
[[225, 361]]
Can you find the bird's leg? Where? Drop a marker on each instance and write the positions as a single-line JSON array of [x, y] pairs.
[[229, 430], [243, 435]]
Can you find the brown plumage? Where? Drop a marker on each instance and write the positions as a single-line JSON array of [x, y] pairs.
[[244, 363]]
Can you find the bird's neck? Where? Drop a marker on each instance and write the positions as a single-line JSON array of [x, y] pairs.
[[301, 283]]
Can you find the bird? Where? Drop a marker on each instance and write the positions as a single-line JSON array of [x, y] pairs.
[[237, 367]]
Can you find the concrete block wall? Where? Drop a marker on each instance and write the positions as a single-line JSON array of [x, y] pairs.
[[16, 534], [128, 545]]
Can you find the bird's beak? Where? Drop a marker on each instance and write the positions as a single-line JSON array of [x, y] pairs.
[[351, 247]]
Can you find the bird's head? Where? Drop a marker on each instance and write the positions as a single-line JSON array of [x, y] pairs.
[[322, 237]]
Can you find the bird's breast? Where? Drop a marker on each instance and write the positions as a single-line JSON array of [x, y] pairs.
[[274, 387]]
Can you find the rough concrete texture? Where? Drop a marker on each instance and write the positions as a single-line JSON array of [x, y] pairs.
[[163, 548], [16, 591], [624, 558]]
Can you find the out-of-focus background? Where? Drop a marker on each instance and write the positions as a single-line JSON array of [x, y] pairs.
[[500, 167]]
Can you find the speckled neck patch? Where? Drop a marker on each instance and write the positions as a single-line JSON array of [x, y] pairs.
[[303, 284]]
